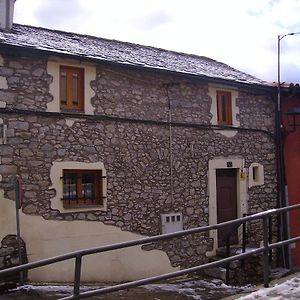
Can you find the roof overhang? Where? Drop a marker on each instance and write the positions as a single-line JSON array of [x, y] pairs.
[[20, 51]]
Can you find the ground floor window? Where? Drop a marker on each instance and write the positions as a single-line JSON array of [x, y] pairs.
[[82, 188]]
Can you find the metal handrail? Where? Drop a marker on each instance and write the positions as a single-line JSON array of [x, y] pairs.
[[235, 229], [226, 239], [150, 280], [79, 254], [227, 245]]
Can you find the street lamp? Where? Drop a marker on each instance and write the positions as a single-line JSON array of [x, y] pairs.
[[280, 37]]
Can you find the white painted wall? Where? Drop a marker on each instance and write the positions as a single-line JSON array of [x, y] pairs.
[[45, 238]]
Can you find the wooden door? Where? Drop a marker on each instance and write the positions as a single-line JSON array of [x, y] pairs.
[[226, 202]]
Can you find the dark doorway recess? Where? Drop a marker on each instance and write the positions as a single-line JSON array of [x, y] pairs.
[[226, 202]]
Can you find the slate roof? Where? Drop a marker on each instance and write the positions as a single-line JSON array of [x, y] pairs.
[[89, 47]]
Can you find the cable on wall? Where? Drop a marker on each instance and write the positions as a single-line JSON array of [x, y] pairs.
[[168, 86], [171, 149]]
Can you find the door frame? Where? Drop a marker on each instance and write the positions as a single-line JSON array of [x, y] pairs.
[[242, 194]]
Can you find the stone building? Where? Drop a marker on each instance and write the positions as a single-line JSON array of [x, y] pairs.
[[113, 141]]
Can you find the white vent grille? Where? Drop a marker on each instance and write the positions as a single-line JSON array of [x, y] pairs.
[[171, 222]]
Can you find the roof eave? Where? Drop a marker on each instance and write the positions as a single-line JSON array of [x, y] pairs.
[[28, 51]]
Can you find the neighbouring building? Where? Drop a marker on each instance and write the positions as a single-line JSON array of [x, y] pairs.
[[113, 141], [291, 149]]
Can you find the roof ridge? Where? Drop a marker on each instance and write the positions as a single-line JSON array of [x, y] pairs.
[[127, 53], [122, 42]]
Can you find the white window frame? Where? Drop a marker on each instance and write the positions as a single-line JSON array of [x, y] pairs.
[[260, 174], [53, 69]]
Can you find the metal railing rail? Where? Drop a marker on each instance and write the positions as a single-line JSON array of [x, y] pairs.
[[227, 238], [234, 230], [77, 255], [150, 280]]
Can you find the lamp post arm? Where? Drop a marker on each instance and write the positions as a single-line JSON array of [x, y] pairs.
[[279, 38]]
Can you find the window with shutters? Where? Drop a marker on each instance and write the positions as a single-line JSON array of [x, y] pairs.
[[224, 108], [71, 87], [82, 188]]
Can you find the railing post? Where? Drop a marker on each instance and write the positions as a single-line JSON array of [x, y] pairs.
[[228, 264], [244, 228], [244, 237], [76, 290], [270, 237], [18, 190], [266, 249]]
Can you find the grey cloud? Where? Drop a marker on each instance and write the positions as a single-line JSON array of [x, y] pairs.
[[151, 20], [290, 73], [54, 13], [264, 8]]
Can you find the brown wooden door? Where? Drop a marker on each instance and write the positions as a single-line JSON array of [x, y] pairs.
[[226, 202]]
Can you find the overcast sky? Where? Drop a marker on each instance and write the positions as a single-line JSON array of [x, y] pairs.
[[240, 33]]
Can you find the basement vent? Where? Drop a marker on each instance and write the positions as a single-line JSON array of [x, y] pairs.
[[171, 222]]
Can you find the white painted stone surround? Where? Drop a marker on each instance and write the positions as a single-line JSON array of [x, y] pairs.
[[212, 92], [260, 179], [89, 75], [56, 173]]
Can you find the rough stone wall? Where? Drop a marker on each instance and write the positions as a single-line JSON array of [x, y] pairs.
[[262, 118], [9, 257], [136, 155], [28, 83]]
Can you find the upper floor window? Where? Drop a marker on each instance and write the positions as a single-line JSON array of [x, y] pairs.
[[224, 108], [71, 87], [82, 188]]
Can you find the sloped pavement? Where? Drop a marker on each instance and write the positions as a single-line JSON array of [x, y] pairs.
[[182, 289], [287, 287]]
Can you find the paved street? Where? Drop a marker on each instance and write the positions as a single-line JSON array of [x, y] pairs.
[[280, 289], [184, 290], [283, 288]]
